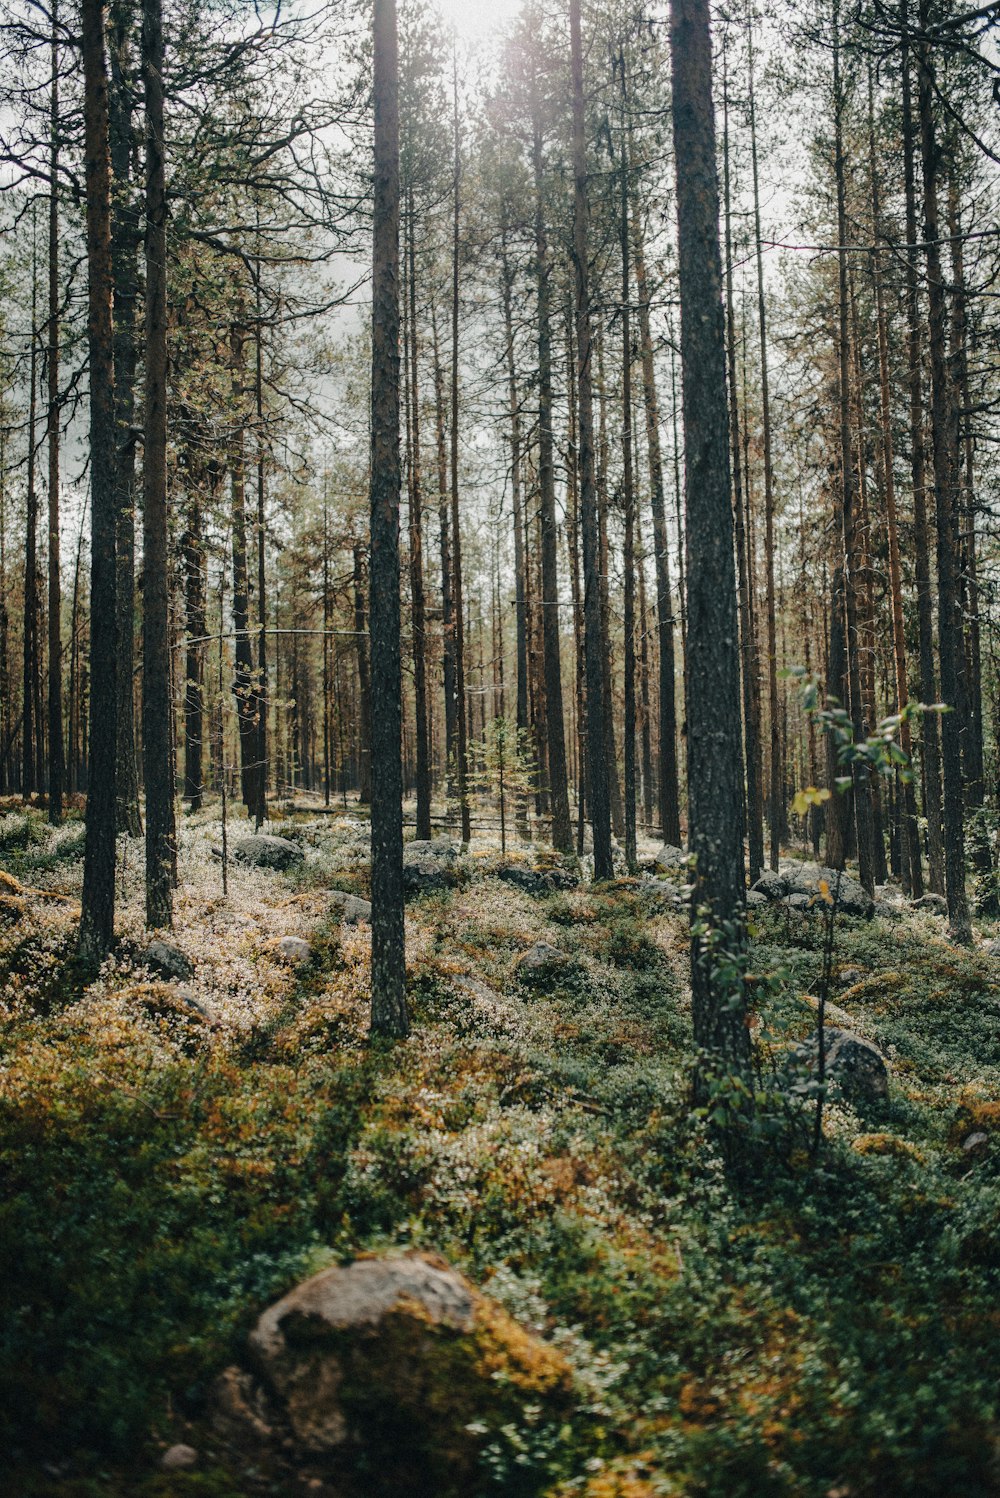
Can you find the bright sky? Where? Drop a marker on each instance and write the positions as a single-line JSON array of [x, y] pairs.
[[477, 20]]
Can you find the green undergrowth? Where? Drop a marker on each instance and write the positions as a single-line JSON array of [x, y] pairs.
[[809, 1328]]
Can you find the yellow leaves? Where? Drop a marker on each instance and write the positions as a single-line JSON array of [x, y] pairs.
[[809, 797]]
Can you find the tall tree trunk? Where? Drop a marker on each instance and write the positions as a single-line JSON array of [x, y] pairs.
[[604, 569], [260, 780], [669, 793], [912, 873], [573, 537], [29, 633], [562, 833], [461, 732], [125, 239], [389, 1013], [447, 601], [243, 682], [600, 808], [944, 432], [751, 701], [193, 549], [628, 499], [423, 775], [861, 787], [972, 747], [57, 766], [776, 807], [713, 711], [97, 914], [520, 609], [157, 758], [918, 471]]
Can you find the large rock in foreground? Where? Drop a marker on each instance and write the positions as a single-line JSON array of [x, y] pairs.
[[394, 1367]]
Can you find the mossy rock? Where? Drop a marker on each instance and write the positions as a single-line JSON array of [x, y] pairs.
[[399, 1371]]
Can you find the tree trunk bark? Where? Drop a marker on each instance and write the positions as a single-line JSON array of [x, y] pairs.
[[57, 766], [389, 1012], [562, 834], [97, 914], [944, 432], [713, 711], [600, 809], [157, 758]]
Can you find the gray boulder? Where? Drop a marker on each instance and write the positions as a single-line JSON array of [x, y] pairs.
[[540, 963], [352, 908], [857, 1067], [294, 950], [671, 860], [935, 904], [404, 1340], [164, 958], [771, 887], [806, 878], [756, 899], [429, 863], [662, 894], [263, 851]]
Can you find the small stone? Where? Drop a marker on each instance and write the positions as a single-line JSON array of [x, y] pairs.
[[800, 901], [352, 908], [851, 975], [975, 1141], [178, 1458], [294, 950], [197, 1003], [992, 948], [163, 957], [539, 963], [935, 904]]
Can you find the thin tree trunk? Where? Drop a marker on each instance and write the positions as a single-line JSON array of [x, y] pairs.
[[364, 678], [944, 430], [461, 739], [423, 775], [98, 903], [562, 834], [628, 500], [861, 789], [972, 748], [125, 240], [29, 632], [751, 703], [388, 1013], [775, 809], [520, 610], [157, 760], [193, 549], [600, 809], [669, 794], [57, 766], [918, 469]]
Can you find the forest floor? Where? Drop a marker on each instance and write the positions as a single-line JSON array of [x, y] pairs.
[[823, 1327]]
